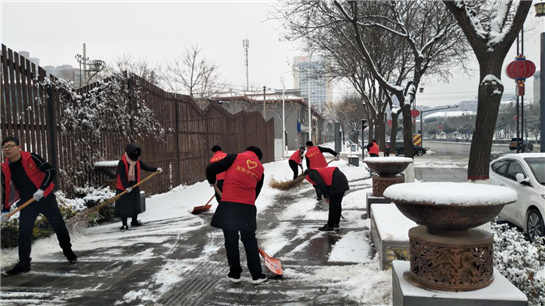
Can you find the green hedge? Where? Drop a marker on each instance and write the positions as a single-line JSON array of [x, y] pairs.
[[42, 229]]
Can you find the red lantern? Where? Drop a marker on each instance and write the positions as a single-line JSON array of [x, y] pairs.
[[520, 70], [415, 113], [390, 122], [515, 118]]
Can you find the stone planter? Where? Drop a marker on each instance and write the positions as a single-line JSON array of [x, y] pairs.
[[446, 251], [387, 169]]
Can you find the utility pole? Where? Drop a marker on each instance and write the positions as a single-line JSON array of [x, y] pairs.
[[246, 45], [264, 103]]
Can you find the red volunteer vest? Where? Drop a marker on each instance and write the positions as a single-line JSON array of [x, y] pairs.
[[316, 158], [119, 185], [35, 175], [326, 174], [242, 178], [373, 149], [296, 157], [219, 155]]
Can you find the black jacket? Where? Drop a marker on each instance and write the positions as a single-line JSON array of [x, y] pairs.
[[129, 204], [322, 149], [339, 183], [231, 215]]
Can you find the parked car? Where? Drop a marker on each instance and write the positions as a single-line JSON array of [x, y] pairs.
[[524, 173], [400, 149], [524, 145]]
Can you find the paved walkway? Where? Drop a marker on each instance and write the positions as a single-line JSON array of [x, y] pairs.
[[104, 276]]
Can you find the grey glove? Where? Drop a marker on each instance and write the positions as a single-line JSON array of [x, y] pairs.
[[129, 189], [38, 195], [160, 170], [338, 157]]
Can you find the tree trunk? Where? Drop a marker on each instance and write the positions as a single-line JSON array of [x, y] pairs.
[[489, 98], [393, 135], [381, 132], [407, 131]]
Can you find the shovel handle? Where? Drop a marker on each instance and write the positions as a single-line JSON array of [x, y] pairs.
[[217, 190], [213, 196], [8, 215]]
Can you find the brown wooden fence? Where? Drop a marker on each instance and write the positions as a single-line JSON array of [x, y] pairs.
[[34, 114]]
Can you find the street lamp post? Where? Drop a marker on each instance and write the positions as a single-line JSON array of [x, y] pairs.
[[283, 112], [430, 110], [309, 117], [540, 12]]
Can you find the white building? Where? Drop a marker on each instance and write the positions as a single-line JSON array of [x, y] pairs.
[[309, 76]]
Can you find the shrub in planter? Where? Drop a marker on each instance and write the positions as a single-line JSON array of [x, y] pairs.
[[520, 261], [42, 229]]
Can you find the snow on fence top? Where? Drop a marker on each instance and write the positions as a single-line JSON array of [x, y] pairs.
[[393, 159], [448, 193], [106, 163]]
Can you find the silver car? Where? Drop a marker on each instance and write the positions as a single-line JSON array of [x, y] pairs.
[[524, 173]]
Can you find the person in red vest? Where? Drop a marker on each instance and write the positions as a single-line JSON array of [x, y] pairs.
[[373, 149], [218, 155], [28, 176], [333, 184], [128, 173], [315, 159], [236, 212], [296, 161]]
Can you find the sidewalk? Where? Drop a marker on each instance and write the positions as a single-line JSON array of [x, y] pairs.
[[189, 257]]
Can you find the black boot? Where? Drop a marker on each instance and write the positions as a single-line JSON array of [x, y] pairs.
[[136, 223], [70, 256], [20, 267], [326, 228], [124, 227]]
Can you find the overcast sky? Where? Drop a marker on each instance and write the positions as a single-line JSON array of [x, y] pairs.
[[54, 32]]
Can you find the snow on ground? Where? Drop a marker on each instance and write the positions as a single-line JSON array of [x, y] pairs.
[[363, 281]]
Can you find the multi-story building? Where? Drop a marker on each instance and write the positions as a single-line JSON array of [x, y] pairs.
[[310, 76]]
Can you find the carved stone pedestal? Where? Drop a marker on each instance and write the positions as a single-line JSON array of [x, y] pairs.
[[381, 183], [450, 263]]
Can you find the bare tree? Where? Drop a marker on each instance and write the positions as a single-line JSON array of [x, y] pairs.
[[193, 74], [486, 26], [137, 66], [424, 28], [348, 112]]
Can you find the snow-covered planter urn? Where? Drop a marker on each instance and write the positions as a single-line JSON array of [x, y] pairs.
[[387, 169], [446, 251]]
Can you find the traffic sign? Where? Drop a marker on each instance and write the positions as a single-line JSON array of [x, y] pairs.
[[417, 139]]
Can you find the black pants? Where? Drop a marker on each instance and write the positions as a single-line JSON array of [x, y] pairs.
[[220, 187], [335, 209], [50, 209], [134, 219], [233, 255], [318, 192], [295, 168], [373, 155]]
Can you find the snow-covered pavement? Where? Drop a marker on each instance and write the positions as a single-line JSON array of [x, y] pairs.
[[178, 259]]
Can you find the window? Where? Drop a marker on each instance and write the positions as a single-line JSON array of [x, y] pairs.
[[500, 166], [514, 168], [537, 165]]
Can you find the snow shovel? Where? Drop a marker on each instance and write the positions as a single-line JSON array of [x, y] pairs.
[[6, 217], [85, 216], [203, 208], [273, 264]]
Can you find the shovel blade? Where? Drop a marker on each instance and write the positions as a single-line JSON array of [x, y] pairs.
[[274, 265], [200, 209]]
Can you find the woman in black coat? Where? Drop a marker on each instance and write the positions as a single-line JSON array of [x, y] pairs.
[[128, 174]]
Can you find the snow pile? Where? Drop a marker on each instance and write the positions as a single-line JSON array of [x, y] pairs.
[[520, 262], [446, 193]]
